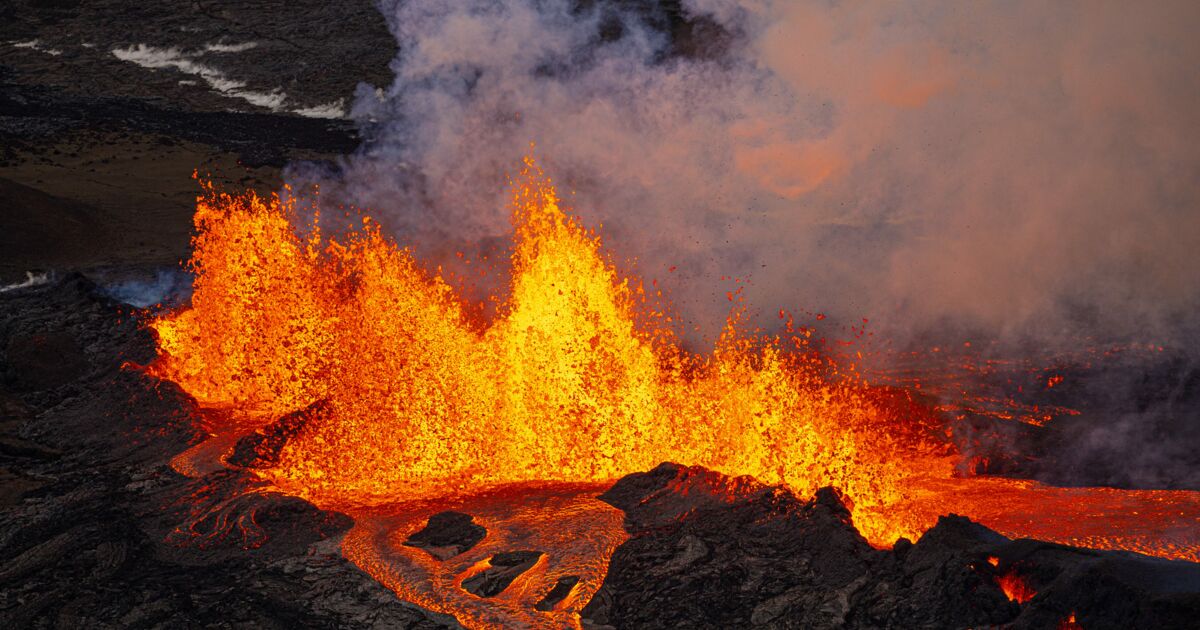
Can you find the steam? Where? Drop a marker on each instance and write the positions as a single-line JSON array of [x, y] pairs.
[[168, 287], [1009, 167]]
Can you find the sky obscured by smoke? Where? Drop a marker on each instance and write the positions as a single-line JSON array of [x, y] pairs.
[[1025, 169]]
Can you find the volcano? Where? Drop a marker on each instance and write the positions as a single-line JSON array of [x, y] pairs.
[[280, 348], [325, 412]]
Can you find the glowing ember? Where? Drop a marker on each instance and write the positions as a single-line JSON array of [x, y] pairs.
[[1015, 587]]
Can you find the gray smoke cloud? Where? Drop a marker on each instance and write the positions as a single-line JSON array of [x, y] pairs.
[[1019, 168]]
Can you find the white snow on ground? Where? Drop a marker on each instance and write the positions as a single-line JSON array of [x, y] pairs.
[[159, 58], [187, 62], [31, 280], [38, 46], [336, 109], [229, 48]]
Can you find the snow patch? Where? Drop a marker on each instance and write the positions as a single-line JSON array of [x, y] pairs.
[[31, 280], [36, 44], [187, 62], [230, 48], [173, 58], [336, 109]]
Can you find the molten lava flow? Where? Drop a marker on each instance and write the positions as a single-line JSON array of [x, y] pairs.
[[577, 533], [574, 381], [1015, 587]]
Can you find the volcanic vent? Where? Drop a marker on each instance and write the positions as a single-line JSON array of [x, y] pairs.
[[470, 451], [463, 408]]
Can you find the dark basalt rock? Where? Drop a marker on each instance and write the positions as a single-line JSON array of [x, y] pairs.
[[262, 448], [447, 534], [505, 567], [562, 588], [708, 551], [227, 512], [315, 51], [45, 360]]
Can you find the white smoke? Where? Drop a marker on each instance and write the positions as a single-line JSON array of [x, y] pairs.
[[168, 287], [1014, 167]]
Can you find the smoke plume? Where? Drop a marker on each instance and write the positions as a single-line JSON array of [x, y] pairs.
[[1010, 167]]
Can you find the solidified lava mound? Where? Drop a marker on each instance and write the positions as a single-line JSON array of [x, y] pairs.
[[707, 551], [447, 535]]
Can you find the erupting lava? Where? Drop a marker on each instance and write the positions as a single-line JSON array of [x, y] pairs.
[[575, 380], [565, 385]]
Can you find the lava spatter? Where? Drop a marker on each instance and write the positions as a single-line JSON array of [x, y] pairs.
[[571, 382], [574, 382]]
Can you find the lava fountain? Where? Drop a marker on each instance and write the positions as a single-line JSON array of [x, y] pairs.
[[577, 380]]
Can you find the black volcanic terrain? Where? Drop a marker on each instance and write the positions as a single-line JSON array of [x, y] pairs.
[[98, 530], [101, 150], [107, 108]]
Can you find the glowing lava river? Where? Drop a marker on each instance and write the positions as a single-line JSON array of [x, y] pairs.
[[414, 407]]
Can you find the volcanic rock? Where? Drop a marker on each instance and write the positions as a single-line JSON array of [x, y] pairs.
[[505, 567], [707, 551], [447, 534], [262, 448], [44, 360], [315, 52], [562, 588], [99, 532], [710, 551]]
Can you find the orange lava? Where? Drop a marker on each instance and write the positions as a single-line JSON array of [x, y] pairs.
[[1153, 522], [576, 380], [1015, 587], [577, 533]]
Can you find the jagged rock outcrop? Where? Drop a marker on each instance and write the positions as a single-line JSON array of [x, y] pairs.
[[448, 534], [262, 448], [708, 551]]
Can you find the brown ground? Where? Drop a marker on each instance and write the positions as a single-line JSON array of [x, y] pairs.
[[99, 199], [97, 153]]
